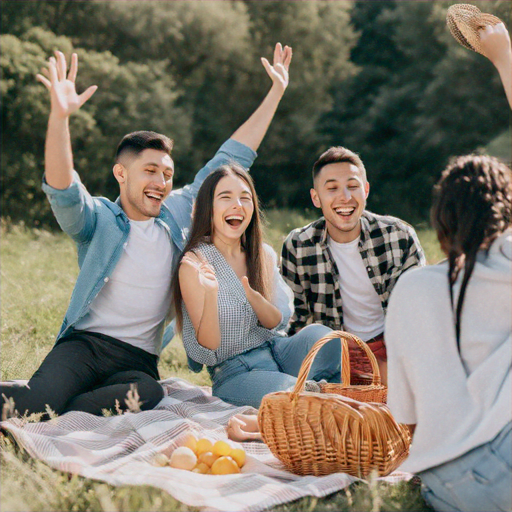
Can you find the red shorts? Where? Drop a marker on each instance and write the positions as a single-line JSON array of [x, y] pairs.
[[360, 366]]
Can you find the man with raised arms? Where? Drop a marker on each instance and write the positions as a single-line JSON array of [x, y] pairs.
[[112, 331]]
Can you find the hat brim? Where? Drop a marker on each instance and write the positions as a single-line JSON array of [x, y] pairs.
[[465, 21]]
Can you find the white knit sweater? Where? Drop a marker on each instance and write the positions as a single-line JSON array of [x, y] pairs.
[[457, 403]]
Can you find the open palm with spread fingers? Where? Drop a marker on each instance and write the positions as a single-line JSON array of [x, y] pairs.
[[205, 272], [279, 71], [64, 98]]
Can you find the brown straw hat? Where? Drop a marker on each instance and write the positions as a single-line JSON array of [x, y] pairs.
[[464, 21]]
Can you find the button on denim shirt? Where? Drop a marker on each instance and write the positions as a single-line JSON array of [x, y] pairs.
[[100, 229]]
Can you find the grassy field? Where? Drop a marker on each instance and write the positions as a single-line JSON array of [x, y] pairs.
[[38, 270]]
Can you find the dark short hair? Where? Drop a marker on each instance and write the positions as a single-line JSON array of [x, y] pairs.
[[338, 154], [136, 142]]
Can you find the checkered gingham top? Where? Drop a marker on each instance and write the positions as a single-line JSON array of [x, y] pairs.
[[388, 247], [239, 326]]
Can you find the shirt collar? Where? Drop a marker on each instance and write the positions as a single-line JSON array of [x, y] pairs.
[[365, 229]]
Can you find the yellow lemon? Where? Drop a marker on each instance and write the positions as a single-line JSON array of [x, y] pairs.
[[183, 458], [208, 458], [160, 459], [221, 448], [225, 466], [238, 455], [203, 445], [191, 442], [202, 468]]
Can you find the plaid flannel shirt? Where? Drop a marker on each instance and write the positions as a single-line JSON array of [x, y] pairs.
[[388, 247]]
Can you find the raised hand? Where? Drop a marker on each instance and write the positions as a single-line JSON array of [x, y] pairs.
[[64, 98], [250, 292], [279, 71], [268, 315], [495, 42], [205, 272]]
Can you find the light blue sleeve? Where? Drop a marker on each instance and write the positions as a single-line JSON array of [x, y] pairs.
[[73, 208], [180, 201], [168, 334]]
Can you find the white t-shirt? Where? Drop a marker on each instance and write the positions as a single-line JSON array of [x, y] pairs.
[[362, 308], [456, 403], [135, 300]]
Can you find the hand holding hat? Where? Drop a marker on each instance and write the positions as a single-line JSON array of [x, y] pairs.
[[485, 34], [466, 22], [495, 42]]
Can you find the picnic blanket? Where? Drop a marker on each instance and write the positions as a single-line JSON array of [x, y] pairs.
[[118, 450]]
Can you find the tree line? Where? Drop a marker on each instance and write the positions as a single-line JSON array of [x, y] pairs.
[[383, 78]]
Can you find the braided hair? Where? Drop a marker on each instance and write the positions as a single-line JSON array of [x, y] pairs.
[[472, 206]]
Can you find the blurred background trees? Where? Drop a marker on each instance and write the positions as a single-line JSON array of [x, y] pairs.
[[384, 78]]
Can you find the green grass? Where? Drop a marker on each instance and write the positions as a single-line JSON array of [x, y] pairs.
[[38, 270], [281, 222]]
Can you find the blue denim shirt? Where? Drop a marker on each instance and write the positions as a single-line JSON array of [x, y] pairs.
[[100, 228]]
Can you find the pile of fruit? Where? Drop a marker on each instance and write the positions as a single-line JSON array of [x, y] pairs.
[[204, 456]]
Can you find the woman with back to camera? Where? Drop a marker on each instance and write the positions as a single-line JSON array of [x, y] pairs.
[[227, 282], [449, 334]]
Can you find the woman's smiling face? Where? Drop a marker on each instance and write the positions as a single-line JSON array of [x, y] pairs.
[[233, 208]]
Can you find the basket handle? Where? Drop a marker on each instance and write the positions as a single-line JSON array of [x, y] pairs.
[[345, 360]]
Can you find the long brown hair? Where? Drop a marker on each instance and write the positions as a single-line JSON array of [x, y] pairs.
[[472, 206], [258, 265]]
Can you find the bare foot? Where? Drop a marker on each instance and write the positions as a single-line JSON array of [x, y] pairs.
[[243, 427]]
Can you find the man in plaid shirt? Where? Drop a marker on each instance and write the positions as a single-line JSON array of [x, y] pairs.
[[343, 266]]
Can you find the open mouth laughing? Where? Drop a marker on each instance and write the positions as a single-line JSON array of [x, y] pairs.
[[345, 211], [234, 220], [154, 196]]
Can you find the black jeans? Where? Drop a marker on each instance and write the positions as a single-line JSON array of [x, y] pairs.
[[88, 371]]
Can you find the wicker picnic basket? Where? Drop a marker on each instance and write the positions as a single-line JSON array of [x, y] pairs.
[[324, 433], [464, 22], [372, 391]]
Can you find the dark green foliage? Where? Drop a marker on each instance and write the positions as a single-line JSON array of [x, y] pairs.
[[418, 99], [384, 78], [126, 104]]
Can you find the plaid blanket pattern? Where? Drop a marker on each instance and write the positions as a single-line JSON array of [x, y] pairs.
[[118, 450]]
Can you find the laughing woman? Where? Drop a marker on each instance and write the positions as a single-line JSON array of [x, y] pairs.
[[227, 285]]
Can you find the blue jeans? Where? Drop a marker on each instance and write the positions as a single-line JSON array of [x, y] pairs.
[[479, 481], [274, 366]]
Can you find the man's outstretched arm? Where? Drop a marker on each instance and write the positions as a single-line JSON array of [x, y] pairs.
[[64, 101], [71, 203], [251, 133], [242, 145]]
